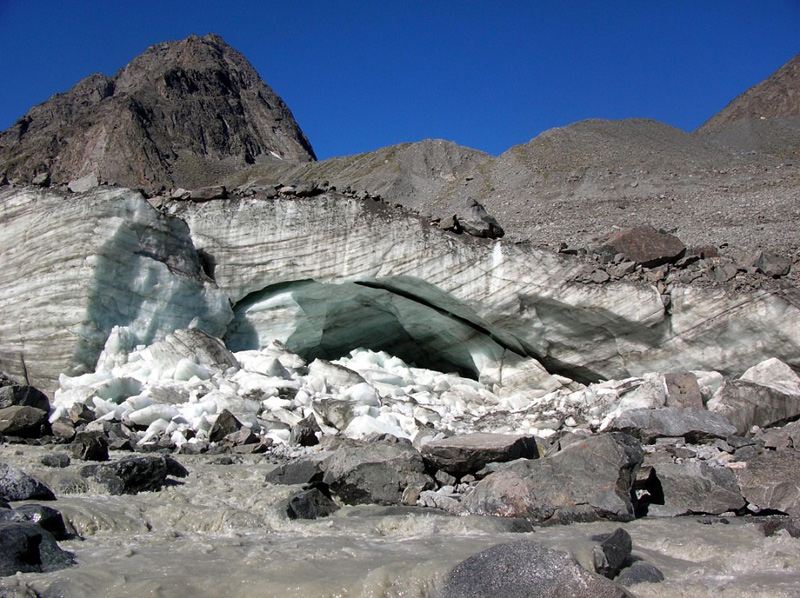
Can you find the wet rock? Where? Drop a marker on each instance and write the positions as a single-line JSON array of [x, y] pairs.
[[692, 424], [130, 475], [47, 517], [23, 421], [459, 455], [29, 396], [28, 548], [588, 480], [90, 446], [304, 470], [746, 404], [640, 572], [612, 553], [695, 488], [646, 246], [524, 569], [769, 482], [56, 460], [17, 485], [375, 472], [310, 504]]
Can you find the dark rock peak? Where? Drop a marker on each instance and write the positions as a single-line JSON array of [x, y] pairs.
[[183, 113], [778, 96]]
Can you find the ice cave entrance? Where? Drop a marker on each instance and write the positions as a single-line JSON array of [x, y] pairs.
[[404, 316]]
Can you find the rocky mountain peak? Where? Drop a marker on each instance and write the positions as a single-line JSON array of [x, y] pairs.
[[182, 113]]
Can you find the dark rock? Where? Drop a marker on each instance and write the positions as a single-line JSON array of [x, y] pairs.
[[305, 432], [640, 572], [17, 485], [646, 246], [28, 396], [478, 223], [90, 446], [450, 224], [375, 472], [226, 423], [683, 391], [305, 470], [588, 480], [772, 525], [193, 448], [130, 475], [772, 264], [28, 548], [47, 517], [23, 421], [522, 570], [261, 445], [310, 504], [611, 554], [695, 488], [174, 467], [81, 414], [57, 460], [208, 193], [307, 189], [769, 482], [459, 455], [746, 404], [691, 424]]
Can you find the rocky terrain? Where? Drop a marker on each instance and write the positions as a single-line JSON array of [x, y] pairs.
[[423, 329]]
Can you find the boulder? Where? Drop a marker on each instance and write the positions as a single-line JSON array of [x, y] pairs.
[[90, 446], [225, 425], [56, 460], [375, 472], [477, 222], [459, 455], [130, 475], [782, 438], [683, 391], [28, 548], [612, 552], [775, 374], [524, 569], [746, 404], [646, 246], [208, 193], [692, 424], [304, 470], [695, 488], [17, 485], [23, 421], [772, 264], [640, 572], [310, 504], [84, 183], [17, 394], [589, 479], [305, 432], [47, 517], [769, 482]]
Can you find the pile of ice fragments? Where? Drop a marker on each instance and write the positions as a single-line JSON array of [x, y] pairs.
[[177, 387]]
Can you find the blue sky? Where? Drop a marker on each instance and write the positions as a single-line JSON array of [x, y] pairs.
[[359, 75]]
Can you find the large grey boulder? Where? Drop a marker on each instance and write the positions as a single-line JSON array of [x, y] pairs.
[[132, 475], [525, 569], [746, 404], [27, 548], [476, 221], [646, 246], [375, 472], [672, 422], [769, 481], [15, 484], [589, 479], [28, 396], [696, 488], [23, 421], [469, 453]]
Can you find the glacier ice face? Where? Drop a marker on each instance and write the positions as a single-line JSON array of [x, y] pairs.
[[75, 266]]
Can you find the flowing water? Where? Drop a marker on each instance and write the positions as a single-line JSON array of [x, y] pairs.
[[220, 532]]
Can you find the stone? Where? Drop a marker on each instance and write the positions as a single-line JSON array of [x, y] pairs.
[[84, 183], [375, 472], [42, 179], [587, 480], [17, 485], [90, 446], [310, 504], [477, 222], [612, 552], [640, 572], [56, 460], [208, 193], [772, 264], [746, 404], [769, 482], [47, 517], [63, 429], [692, 424], [774, 373], [28, 396], [225, 424], [683, 391], [129, 475], [695, 488], [28, 548], [23, 421], [304, 470], [525, 569], [304, 432], [646, 246], [460, 455]]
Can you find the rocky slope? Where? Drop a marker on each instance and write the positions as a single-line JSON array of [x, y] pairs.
[[182, 114]]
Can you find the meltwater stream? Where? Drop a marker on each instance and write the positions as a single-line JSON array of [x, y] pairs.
[[220, 532]]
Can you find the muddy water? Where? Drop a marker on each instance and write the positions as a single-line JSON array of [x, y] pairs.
[[221, 533]]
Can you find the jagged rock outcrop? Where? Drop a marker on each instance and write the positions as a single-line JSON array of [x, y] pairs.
[[183, 113], [75, 266]]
